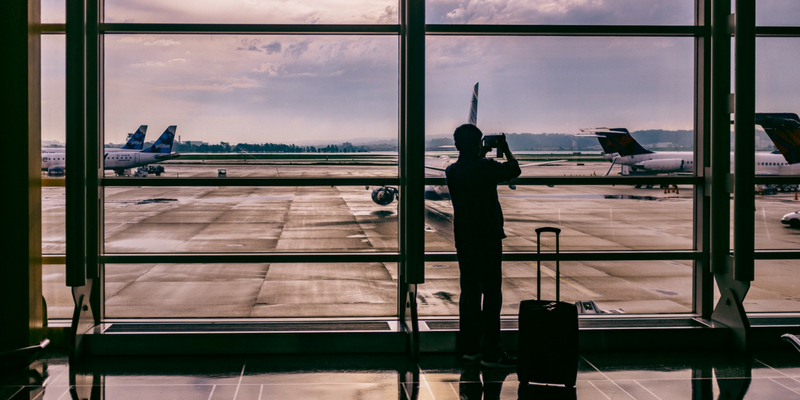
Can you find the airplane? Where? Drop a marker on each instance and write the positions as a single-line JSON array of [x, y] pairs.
[[621, 148], [136, 142], [385, 195], [120, 161], [784, 131]]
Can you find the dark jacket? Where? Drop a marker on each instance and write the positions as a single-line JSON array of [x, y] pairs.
[[472, 182]]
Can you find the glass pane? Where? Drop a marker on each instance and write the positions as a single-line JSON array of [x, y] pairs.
[[54, 12], [777, 220], [247, 219], [777, 104], [254, 12], [256, 99], [608, 12], [54, 220], [56, 292], [777, 12], [775, 287], [559, 85], [591, 218], [250, 290], [54, 85], [624, 287]]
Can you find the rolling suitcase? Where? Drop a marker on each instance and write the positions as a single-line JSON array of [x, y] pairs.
[[548, 333]]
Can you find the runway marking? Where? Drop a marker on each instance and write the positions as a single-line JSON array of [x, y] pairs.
[[766, 225], [239, 384], [552, 274], [648, 390]]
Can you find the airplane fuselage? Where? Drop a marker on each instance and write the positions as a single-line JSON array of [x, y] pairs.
[[115, 160], [683, 162], [660, 162]]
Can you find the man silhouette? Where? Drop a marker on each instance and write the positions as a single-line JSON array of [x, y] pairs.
[[478, 226]]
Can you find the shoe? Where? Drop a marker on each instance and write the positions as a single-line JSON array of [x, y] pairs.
[[499, 362], [471, 357]]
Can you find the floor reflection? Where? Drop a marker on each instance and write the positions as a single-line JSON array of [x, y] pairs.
[[612, 375]]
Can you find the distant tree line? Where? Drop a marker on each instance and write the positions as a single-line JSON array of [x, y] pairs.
[[654, 139], [224, 147]]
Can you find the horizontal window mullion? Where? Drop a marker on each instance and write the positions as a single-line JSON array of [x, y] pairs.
[[52, 259], [53, 28], [283, 29], [121, 181], [777, 31], [785, 180], [566, 30], [580, 256], [777, 255], [228, 258], [590, 180]]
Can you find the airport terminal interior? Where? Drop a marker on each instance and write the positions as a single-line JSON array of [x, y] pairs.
[[290, 233]]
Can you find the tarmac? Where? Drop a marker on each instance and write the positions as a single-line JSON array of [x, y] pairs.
[[344, 219]]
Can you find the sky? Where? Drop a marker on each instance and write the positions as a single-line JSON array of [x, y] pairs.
[[314, 88]]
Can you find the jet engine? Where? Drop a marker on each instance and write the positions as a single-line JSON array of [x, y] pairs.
[[666, 165], [384, 195]]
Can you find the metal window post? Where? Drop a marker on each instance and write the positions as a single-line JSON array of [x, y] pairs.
[[733, 274], [411, 160], [744, 118], [81, 97], [21, 272], [703, 281]]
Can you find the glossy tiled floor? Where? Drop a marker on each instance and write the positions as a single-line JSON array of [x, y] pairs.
[[602, 375]]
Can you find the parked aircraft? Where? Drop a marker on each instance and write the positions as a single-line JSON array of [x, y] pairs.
[[385, 195], [120, 161], [621, 148], [784, 131], [136, 142]]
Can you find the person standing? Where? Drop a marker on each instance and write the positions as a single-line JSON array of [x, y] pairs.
[[478, 226]]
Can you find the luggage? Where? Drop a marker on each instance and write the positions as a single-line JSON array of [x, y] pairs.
[[548, 333]]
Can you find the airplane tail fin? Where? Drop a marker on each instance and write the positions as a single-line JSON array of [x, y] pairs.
[[617, 140], [136, 142], [784, 130], [473, 109], [164, 143]]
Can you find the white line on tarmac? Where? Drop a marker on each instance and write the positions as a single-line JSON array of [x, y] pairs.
[[577, 286]]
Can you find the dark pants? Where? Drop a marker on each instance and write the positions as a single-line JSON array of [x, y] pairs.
[[481, 298]]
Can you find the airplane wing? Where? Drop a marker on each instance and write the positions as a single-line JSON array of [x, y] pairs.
[[540, 163], [521, 165]]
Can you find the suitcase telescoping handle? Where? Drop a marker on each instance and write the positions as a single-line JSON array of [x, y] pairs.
[[539, 231]]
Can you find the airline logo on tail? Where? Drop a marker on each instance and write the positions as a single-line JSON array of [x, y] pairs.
[[136, 141], [617, 140], [164, 143], [784, 130]]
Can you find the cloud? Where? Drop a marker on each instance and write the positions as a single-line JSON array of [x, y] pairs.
[[679, 12], [295, 50], [389, 16], [148, 64], [269, 69], [254, 44], [252, 11], [214, 84], [149, 41], [248, 44], [272, 48]]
